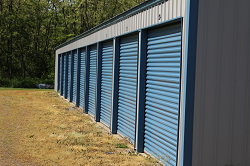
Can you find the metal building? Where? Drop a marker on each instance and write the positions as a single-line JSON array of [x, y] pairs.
[[170, 75]]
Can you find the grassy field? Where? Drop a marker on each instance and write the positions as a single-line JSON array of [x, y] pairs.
[[37, 127]]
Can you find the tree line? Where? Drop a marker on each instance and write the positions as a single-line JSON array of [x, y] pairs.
[[31, 29]]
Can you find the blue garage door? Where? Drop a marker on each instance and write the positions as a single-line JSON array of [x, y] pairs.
[[92, 80], [82, 77], [162, 92], [59, 72], [64, 76], [127, 86], [74, 75], [106, 82], [69, 74]]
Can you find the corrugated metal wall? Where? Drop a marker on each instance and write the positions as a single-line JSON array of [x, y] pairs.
[[166, 10], [222, 114]]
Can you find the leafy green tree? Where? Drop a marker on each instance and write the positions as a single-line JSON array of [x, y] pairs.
[[30, 30]]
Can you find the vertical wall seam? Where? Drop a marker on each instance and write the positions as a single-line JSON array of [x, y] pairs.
[[234, 77], [98, 81], [189, 79], [180, 119], [181, 4], [162, 11], [248, 97], [181, 116], [56, 73], [168, 8], [115, 84], [180, 133], [71, 75], [218, 84], [176, 8], [203, 82], [171, 10], [141, 86], [138, 84], [86, 85]]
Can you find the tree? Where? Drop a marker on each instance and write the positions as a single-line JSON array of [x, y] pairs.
[[29, 30]]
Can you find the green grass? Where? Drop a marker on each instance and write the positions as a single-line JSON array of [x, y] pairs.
[[121, 146]]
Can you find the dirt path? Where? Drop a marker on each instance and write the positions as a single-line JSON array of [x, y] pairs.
[[39, 128]]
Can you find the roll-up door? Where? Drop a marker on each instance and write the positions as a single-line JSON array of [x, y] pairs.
[[82, 77], [92, 80], [64, 75], [74, 75], [69, 74], [59, 72], [127, 86], [106, 82], [162, 92]]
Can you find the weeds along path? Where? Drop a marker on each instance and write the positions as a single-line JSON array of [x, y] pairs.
[[37, 127]]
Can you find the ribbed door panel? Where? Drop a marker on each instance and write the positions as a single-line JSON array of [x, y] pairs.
[[127, 86], [162, 93], [69, 74], [106, 82], [59, 72], [64, 75], [74, 76], [92, 80], [82, 77]]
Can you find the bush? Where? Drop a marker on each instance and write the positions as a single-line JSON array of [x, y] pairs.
[[14, 82], [48, 81], [27, 83], [4, 82]]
